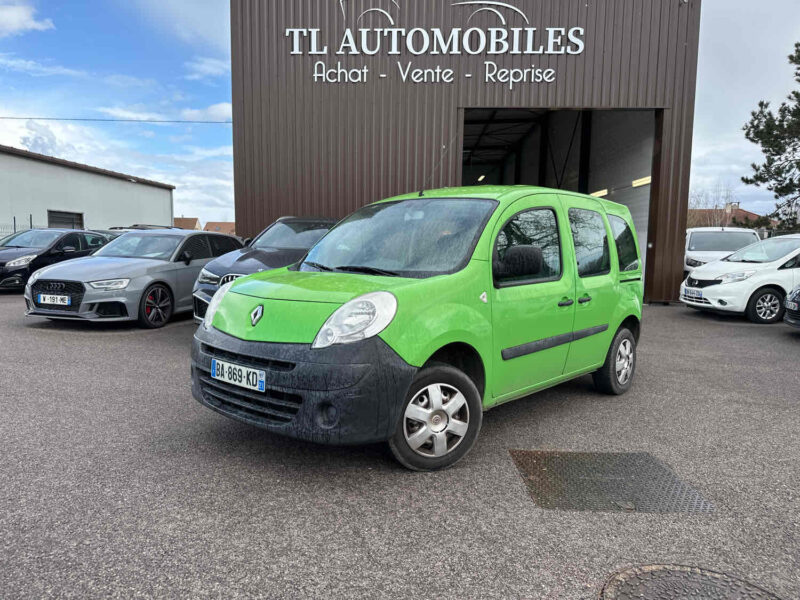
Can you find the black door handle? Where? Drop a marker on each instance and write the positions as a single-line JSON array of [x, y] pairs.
[[585, 299], [565, 303]]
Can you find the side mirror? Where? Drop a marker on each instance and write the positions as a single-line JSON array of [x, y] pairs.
[[247, 242], [519, 262], [68, 249], [186, 257]]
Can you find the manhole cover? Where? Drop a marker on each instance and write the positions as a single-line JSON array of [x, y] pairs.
[[670, 582], [600, 481]]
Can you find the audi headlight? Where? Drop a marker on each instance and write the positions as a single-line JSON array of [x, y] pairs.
[[208, 278], [694, 263], [21, 261], [110, 284], [735, 277], [359, 319], [214, 304]]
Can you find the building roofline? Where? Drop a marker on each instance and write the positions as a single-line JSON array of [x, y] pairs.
[[81, 167]]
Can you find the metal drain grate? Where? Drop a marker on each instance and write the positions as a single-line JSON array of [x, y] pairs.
[[598, 481], [668, 582]]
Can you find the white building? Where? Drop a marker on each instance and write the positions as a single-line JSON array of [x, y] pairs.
[[42, 191]]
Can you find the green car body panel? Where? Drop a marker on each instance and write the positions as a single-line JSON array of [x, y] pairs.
[[466, 307]]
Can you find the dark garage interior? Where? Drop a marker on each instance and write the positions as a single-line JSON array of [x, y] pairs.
[[608, 153]]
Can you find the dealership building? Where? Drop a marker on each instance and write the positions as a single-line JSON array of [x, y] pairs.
[[339, 103]]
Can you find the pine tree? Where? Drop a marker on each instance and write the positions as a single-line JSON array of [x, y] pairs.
[[778, 135]]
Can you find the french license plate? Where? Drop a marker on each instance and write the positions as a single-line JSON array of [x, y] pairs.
[[693, 294], [56, 300], [251, 379], [793, 306]]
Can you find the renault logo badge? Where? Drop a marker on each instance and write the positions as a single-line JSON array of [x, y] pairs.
[[256, 315]]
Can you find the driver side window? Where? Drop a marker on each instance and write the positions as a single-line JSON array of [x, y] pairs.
[[528, 249], [71, 240]]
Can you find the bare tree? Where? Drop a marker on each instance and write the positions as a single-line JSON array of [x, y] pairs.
[[711, 207]]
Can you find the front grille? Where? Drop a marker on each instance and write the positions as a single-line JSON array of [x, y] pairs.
[[272, 407], [200, 308], [249, 361], [793, 314], [73, 289], [696, 300], [229, 277], [700, 283]]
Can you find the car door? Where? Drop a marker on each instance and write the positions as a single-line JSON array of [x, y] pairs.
[[596, 283], [197, 246], [532, 316], [61, 251]]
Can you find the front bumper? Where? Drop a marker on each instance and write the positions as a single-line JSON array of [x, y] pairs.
[[14, 278], [91, 305], [343, 395], [729, 297], [201, 297], [792, 317]]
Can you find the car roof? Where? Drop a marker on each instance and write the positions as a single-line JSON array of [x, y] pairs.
[[503, 194], [719, 229], [308, 220]]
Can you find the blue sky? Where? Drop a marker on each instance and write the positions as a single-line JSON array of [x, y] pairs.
[[170, 59]]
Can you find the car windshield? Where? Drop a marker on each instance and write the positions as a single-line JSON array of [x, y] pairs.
[[720, 241], [411, 238], [33, 238], [137, 245], [766, 251], [289, 235]]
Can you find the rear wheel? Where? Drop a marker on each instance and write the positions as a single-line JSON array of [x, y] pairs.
[[766, 306], [616, 374], [155, 307], [442, 416]]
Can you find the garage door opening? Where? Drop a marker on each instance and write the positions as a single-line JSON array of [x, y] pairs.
[[59, 219], [608, 153]]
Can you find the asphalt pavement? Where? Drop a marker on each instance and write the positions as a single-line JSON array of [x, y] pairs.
[[114, 482]]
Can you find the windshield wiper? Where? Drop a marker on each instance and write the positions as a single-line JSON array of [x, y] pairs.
[[367, 270], [318, 266]]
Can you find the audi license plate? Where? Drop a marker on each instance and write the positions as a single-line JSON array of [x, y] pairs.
[[693, 294], [56, 300], [251, 379], [793, 306]]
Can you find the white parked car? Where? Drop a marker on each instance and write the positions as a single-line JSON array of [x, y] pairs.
[[707, 244], [754, 281]]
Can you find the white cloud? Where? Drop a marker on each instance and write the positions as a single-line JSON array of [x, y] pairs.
[[201, 24], [203, 67], [216, 112], [18, 17], [128, 81], [136, 113], [9, 62]]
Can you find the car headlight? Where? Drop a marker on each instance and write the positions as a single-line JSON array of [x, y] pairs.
[[694, 263], [735, 277], [208, 278], [214, 304], [110, 284], [21, 261], [359, 319]]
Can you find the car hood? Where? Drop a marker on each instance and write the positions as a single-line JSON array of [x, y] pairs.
[[707, 256], [7, 254], [254, 260], [720, 268], [96, 268]]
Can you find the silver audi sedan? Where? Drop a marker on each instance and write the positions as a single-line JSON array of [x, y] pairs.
[[144, 276]]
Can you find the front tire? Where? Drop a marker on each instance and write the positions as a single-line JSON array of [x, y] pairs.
[[616, 375], [155, 307], [766, 307], [440, 420]]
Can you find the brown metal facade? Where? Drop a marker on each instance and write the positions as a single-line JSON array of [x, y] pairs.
[[311, 148]]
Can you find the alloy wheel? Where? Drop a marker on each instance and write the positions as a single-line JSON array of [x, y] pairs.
[[624, 366], [157, 305], [436, 420], [768, 306]]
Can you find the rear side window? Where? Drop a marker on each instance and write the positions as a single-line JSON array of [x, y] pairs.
[[591, 242], [538, 228], [222, 245], [197, 246], [626, 244]]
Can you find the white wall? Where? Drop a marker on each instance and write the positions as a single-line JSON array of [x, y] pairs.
[[31, 187]]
